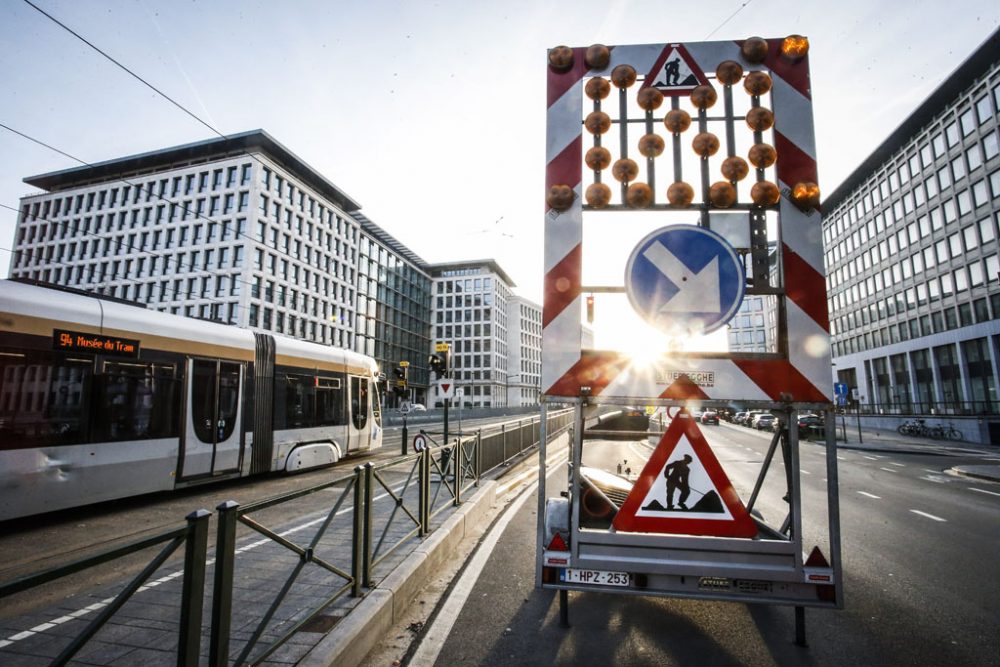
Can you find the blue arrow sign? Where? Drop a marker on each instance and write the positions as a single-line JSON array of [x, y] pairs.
[[684, 279], [840, 389]]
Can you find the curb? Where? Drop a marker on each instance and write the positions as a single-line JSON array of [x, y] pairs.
[[975, 475], [365, 626]]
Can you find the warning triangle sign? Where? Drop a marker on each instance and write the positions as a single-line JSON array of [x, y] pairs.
[[683, 490], [675, 72]]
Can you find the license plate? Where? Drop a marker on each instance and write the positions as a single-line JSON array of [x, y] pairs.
[[596, 577]]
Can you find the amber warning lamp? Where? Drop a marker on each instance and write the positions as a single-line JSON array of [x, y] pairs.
[[590, 308], [794, 47]]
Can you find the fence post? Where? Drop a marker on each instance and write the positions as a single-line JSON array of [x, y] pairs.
[[222, 589], [479, 455], [193, 589], [459, 470], [503, 440], [367, 540], [358, 531], [520, 436], [424, 483]]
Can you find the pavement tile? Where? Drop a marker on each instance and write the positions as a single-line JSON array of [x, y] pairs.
[[147, 658]]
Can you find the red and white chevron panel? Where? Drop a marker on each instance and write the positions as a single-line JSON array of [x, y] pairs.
[[804, 376]]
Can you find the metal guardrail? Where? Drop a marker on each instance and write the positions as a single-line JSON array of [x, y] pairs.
[[194, 536], [928, 409], [429, 483]]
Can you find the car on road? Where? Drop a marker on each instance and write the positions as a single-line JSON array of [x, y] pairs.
[[809, 420], [710, 417], [764, 422], [418, 407]]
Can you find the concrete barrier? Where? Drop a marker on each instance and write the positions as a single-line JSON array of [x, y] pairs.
[[365, 626]]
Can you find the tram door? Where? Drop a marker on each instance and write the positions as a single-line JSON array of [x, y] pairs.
[[358, 432], [212, 438]]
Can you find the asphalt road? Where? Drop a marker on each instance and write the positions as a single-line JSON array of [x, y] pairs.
[[922, 580]]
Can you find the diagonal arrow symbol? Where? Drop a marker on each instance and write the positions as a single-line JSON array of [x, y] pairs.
[[696, 292]]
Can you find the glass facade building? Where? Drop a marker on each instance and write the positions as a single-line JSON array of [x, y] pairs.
[[911, 239]]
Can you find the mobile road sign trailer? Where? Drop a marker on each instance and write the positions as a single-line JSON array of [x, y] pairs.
[[712, 148]]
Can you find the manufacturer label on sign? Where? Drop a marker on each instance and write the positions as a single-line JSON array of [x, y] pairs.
[[700, 378]]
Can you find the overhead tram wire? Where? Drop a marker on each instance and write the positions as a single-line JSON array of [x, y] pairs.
[[149, 191], [146, 83], [717, 28], [158, 92]]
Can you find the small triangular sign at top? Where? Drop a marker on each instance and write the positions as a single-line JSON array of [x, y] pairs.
[[445, 387], [675, 72], [683, 490]]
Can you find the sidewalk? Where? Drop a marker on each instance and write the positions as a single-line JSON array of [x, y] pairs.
[[877, 440]]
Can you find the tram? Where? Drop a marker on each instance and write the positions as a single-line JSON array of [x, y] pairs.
[[102, 399]]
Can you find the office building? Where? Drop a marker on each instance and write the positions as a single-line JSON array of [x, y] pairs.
[[471, 313], [912, 254], [525, 348]]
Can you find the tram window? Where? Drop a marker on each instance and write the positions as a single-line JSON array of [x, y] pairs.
[[303, 401], [44, 398], [300, 401], [359, 402], [329, 402], [136, 401]]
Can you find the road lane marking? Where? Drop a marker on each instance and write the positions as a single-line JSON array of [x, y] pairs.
[[841, 458], [870, 495], [871, 458], [929, 516], [432, 643], [805, 472], [933, 472], [893, 463], [888, 469], [992, 493], [162, 580]]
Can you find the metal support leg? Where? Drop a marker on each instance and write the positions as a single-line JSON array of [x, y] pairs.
[[193, 588], [563, 608], [800, 627]]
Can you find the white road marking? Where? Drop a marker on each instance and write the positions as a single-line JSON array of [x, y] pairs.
[[805, 472], [929, 516], [888, 469], [841, 458], [870, 495], [893, 463], [992, 493], [872, 458], [933, 472], [432, 643], [156, 582]]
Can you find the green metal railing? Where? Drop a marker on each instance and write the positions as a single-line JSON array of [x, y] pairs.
[[384, 507]]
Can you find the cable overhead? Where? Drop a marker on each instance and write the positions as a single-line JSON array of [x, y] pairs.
[[718, 27], [146, 83]]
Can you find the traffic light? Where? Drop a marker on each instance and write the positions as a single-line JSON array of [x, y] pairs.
[[399, 385], [590, 308], [439, 364]]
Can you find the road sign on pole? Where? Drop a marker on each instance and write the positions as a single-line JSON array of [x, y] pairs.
[[685, 280], [840, 389], [444, 389]]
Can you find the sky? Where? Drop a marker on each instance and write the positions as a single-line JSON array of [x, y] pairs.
[[430, 114]]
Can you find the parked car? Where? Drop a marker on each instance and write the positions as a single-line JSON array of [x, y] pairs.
[[709, 417], [740, 417], [809, 420], [418, 407], [751, 417], [764, 422]]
